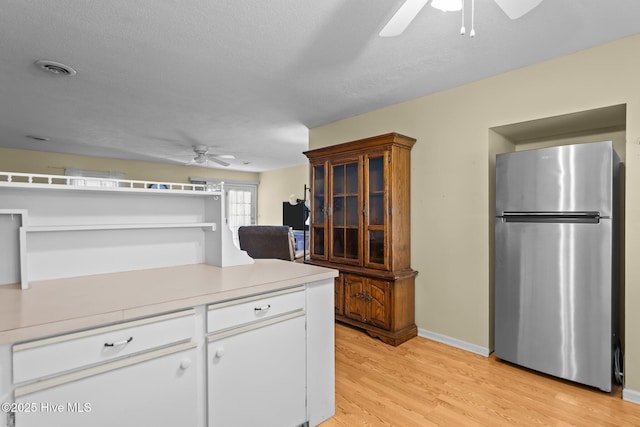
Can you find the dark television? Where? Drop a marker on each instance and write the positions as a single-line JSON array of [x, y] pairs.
[[295, 215]]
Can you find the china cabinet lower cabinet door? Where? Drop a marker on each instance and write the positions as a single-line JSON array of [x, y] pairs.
[[355, 304], [367, 300], [158, 392], [379, 292], [256, 375]]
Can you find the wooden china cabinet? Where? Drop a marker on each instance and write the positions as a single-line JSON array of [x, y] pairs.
[[360, 225]]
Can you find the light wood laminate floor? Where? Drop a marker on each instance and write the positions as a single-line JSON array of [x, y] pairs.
[[425, 383]]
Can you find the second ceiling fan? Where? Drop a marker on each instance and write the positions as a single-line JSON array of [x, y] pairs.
[[514, 9], [202, 156]]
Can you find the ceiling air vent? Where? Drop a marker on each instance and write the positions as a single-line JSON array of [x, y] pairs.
[[56, 68]]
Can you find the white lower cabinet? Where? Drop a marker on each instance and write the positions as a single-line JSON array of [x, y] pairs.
[[257, 374], [264, 360], [158, 388]]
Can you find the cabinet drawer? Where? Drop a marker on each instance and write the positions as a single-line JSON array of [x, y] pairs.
[[41, 358], [247, 310]]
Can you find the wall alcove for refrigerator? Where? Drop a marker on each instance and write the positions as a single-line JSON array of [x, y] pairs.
[[607, 123]]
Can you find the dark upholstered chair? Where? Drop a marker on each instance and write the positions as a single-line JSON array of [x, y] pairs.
[[267, 241]]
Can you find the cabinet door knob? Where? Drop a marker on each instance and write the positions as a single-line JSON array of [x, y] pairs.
[[220, 352], [185, 363]]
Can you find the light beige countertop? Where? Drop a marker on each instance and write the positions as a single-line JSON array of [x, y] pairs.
[[52, 307]]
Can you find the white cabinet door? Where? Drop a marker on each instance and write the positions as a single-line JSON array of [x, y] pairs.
[[256, 375], [158, 391]]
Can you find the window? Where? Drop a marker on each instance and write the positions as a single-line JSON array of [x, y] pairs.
[[241, 203], [87, 178], [241, 207]]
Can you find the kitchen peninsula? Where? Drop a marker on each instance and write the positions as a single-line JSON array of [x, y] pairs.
[[195, 344]]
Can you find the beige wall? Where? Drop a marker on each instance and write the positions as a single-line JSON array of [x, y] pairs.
[[276, 187], [451, 178], [54, 164]]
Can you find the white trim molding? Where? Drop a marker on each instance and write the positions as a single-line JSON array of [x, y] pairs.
[[454, 342], [631, 395]]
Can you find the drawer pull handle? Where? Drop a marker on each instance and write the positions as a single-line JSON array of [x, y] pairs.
[[118, 343], [263, 308]]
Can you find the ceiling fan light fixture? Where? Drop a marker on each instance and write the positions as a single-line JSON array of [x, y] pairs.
[[201, 154], [447, 5]]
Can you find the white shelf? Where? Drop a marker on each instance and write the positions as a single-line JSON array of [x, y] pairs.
[[64, 226], [89, 227], [63, 182]]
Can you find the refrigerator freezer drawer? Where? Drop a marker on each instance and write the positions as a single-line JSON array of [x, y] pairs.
[[553, 307]]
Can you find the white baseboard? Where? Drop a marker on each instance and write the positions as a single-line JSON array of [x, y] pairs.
[[631, 395], [454, 342]]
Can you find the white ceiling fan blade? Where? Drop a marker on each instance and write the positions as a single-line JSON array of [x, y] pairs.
[[402, 18], [517, 8], [218, 161]]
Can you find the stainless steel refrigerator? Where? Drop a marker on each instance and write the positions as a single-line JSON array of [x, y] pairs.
[[556, 261]]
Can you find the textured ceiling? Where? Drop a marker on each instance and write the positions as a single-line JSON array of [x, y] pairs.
[[249, 78]]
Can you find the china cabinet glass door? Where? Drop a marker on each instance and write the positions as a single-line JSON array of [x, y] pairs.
[[375, 212], [346, 212], [319, 209]]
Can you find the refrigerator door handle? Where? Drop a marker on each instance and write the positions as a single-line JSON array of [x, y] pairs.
[[589, 217]]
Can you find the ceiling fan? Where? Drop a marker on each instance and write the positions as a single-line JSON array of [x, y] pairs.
[[514, 9], [202, 156]]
